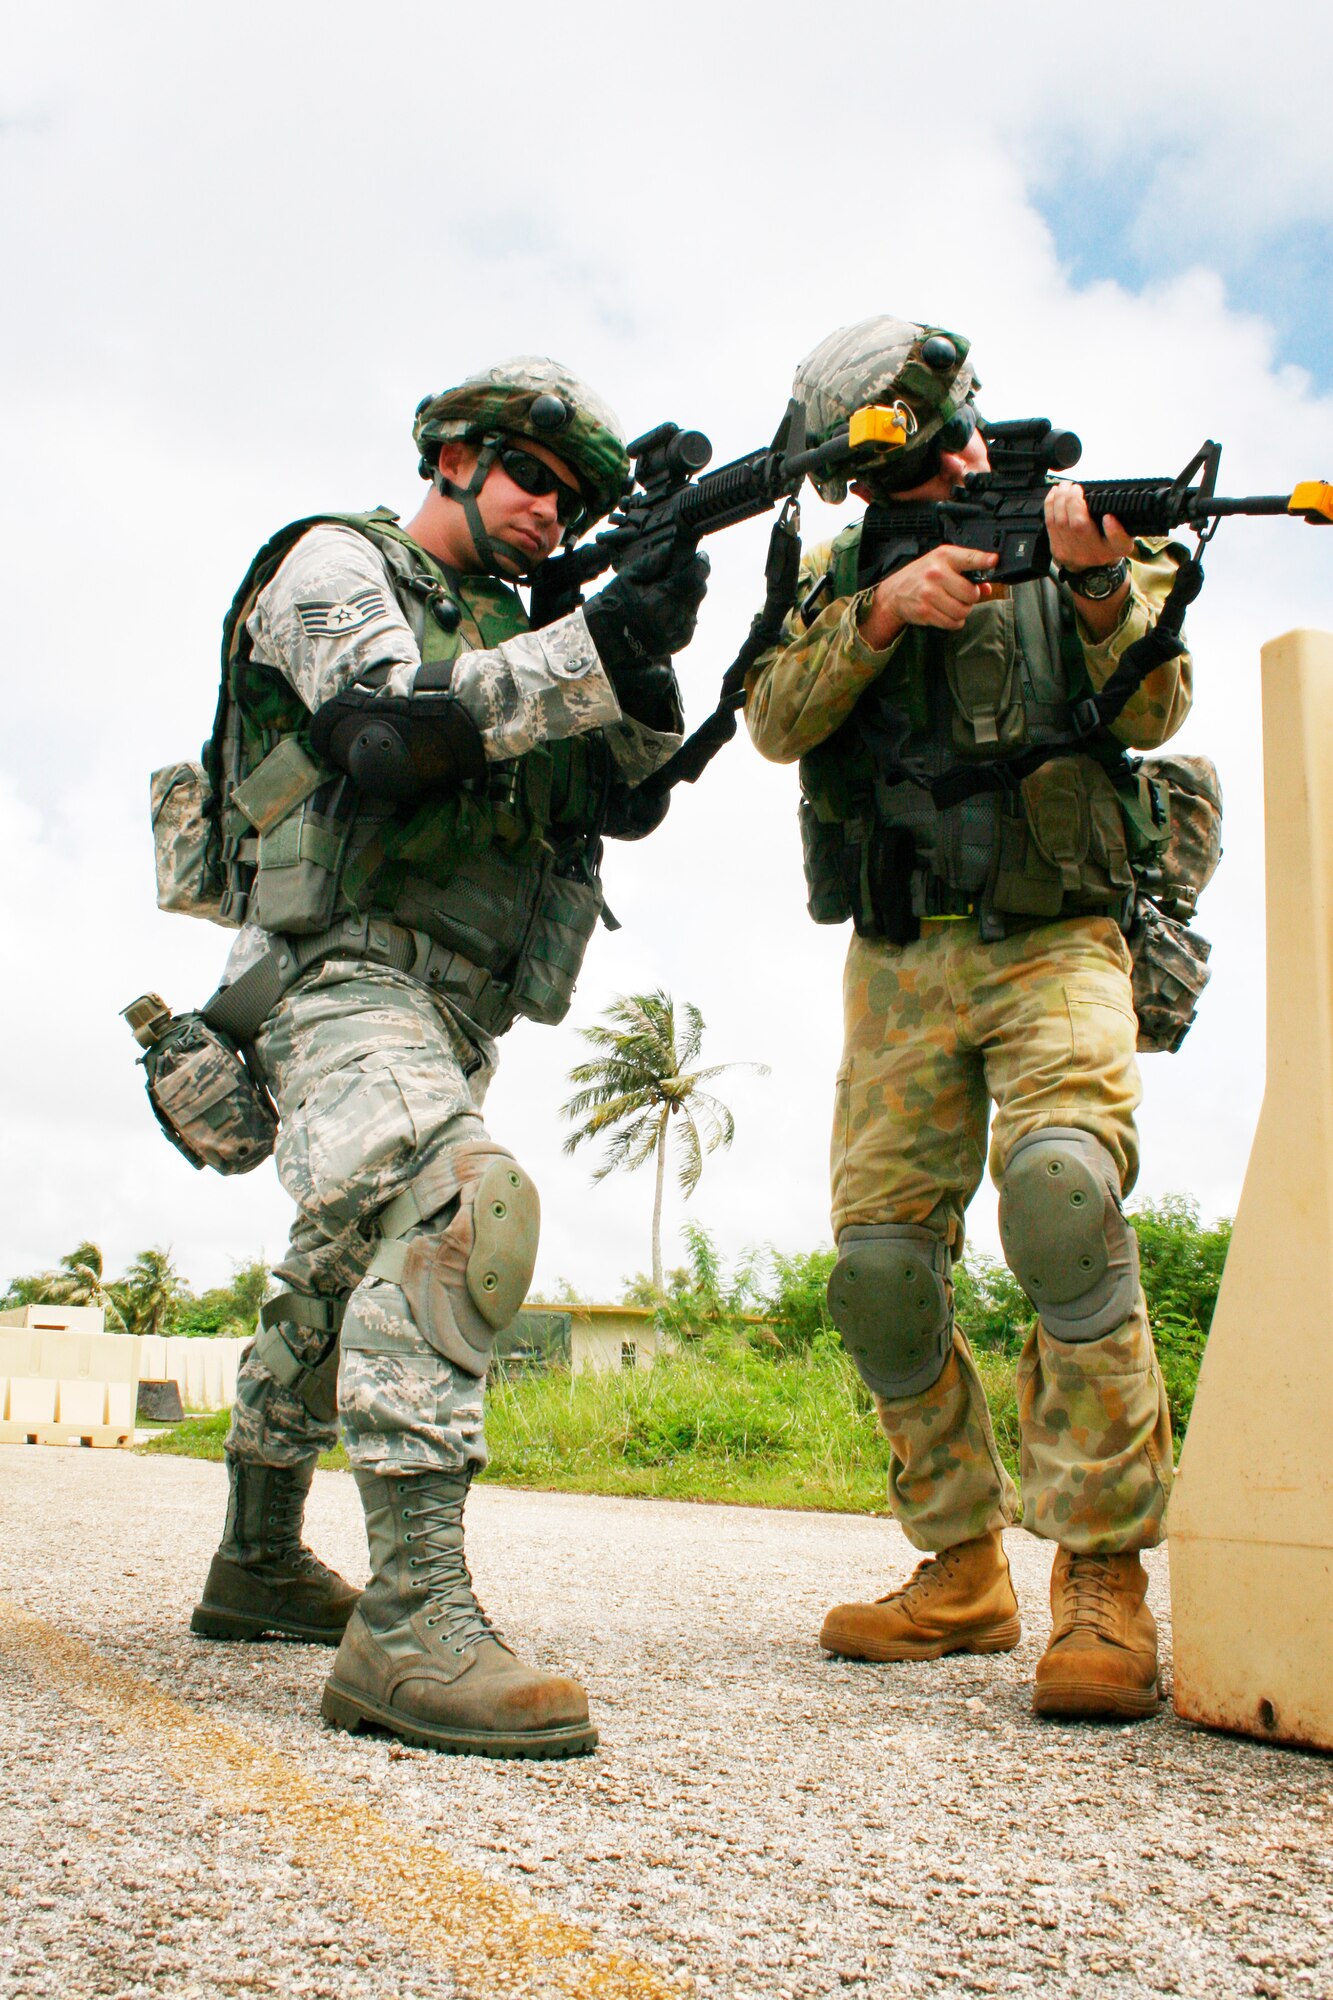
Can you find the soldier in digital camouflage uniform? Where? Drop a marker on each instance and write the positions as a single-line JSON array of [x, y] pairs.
[[414, 793], [988, 967]]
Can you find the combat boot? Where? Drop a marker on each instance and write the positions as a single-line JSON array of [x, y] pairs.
[[263, 1577], [421, 1658], [1102, 1658], [961, 1601]]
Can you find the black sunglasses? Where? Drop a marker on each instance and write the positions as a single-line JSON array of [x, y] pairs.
[[535, 477]]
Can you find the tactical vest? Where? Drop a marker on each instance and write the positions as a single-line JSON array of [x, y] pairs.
[[502, 874], [1064, 842]]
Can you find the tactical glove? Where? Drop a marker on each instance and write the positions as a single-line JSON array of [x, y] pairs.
[[649, 608]]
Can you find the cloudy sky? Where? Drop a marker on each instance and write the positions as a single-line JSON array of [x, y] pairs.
[[240, 243]]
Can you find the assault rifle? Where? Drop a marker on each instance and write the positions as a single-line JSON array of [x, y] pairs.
[[673, 501]]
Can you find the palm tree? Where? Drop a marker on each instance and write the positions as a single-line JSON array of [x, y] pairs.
[[637, 1083], [80, 1280], [151, 1290]]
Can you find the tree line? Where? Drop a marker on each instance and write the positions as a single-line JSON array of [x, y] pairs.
[[150, 1296]]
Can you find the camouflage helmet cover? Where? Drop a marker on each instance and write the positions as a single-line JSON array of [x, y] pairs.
[[588, 435], [880, 360]]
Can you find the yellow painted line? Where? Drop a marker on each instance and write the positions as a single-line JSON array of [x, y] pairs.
[[491, 1937]]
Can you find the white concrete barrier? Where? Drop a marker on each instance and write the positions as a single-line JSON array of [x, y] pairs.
[[59, 1385]]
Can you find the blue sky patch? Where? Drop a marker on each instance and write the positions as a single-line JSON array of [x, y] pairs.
[[1108, 223]]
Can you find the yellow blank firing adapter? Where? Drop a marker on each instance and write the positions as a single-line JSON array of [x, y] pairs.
[[1313, 498], [873, 424]]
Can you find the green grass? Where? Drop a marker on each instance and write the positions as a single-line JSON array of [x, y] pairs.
[[718, 1422]]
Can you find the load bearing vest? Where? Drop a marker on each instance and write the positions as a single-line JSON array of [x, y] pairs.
[[503, 875], [878, 850]]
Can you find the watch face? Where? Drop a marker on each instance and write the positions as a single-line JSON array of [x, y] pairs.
[[1098, 583]]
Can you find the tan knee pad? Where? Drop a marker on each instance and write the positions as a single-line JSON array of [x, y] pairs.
[[466, 1270]]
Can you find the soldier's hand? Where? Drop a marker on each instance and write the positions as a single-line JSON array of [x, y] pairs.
[[1076, 540], [937, 589]]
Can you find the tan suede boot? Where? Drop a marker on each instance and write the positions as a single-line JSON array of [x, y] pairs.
[[1102, 1658], [961, 1601], [421, 1658]]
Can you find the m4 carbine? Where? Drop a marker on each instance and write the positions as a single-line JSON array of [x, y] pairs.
[[1003, 511], [674, 503]]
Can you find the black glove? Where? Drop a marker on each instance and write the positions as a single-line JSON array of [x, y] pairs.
[[649, 608], [634, 810]]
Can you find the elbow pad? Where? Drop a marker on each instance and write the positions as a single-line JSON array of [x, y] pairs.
[[400, 746]]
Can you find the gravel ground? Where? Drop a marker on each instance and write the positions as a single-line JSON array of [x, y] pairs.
[[759, 1823]]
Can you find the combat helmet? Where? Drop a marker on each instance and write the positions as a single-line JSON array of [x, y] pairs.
[[534, 397], [921, 370]]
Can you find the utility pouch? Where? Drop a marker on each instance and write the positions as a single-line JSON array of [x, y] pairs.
[[1169, 975], [1187, 857], [279, 783], [823, 852], [190, 882], [204, 1092], [300, 865], [981, 667], [558, 936]]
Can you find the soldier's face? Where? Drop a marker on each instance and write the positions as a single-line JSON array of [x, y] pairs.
[[952, 467], [528, 521]]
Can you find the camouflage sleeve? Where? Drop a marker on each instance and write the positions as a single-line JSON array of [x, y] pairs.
[[805, 688], [536, 688], [1156, 710], [329, 619], [637, 750]]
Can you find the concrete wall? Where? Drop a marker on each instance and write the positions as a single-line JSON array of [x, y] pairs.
[[203, 1369]]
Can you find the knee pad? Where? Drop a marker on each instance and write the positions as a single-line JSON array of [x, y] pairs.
[[1065, 1236], [466, 1268], [307, 1363], [889, 1297]]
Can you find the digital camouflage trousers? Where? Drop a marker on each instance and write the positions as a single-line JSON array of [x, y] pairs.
[[1042, 1026], [374, 1080]]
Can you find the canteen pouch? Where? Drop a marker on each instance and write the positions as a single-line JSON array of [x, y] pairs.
[[562, 924], [205, 1094], [1170, 971], [185, 847]]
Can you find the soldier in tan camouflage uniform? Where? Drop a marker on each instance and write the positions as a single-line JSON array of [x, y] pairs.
[[414, 788], [988, 967]]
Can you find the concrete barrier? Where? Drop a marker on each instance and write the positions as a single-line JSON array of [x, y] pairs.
[[1251, 1520], [59, 1385]]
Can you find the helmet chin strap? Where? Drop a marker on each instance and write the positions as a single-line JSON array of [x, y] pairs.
[[497, 557]]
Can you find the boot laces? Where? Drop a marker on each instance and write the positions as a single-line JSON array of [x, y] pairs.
[[922, 1580], [1091, 1594], [286, 1511], [442, 1571]]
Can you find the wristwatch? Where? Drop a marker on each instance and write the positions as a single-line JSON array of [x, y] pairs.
[[1098, 583]]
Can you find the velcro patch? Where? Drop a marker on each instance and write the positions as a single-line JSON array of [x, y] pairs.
[[324, 620]]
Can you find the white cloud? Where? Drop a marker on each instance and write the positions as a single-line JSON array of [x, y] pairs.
[[246, 243]]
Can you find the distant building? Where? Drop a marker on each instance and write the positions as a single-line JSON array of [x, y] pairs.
[[586, 1339]]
